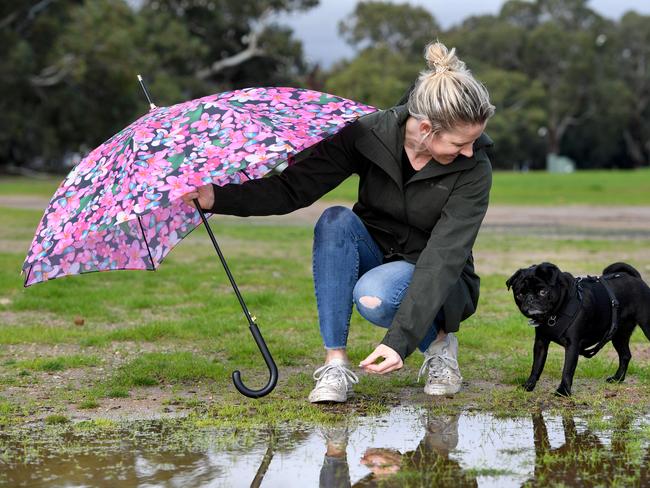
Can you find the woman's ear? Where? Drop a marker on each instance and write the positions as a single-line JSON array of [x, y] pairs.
[[424, 126]]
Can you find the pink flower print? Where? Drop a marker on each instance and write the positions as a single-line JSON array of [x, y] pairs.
[[176, 187], [245, 95], [332, 107], [203, 123], [280, 146], [214, 152], [309, 96], [143, 135], [69, 266], [136, 254], [65, 237], [280, 99], [260, 156]]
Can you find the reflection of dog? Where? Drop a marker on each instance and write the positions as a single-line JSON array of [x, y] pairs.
[[581, 314]]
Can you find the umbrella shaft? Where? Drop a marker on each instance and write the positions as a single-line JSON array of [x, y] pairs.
[[223, 262]]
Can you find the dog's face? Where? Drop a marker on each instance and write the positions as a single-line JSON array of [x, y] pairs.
[[538, 290]]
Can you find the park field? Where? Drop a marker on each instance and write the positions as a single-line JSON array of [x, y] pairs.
[[165, 342], [509, 188]]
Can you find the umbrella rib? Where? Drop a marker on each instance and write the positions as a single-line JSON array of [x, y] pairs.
[[29, 273], [153, 266]]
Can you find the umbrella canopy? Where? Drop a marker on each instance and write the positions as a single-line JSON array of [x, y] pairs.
[[120, 207]]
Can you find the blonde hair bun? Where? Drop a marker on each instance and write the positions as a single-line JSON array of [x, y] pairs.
[[447, 94], [440, 59]]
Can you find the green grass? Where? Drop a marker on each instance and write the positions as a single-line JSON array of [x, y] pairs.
[[59, 363], [175, 336], [542, 188], [509, 188], [181, 328], [20, 185]]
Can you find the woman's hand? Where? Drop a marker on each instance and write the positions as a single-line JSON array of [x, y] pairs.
[[205, 195], [392, 361], [382, 461]]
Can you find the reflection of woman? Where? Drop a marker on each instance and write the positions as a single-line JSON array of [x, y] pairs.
[[428, 465], [403, 253]]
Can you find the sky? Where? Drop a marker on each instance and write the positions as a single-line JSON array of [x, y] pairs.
[[318, 27]]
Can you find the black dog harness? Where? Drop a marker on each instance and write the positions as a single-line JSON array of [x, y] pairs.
[[604, 300]]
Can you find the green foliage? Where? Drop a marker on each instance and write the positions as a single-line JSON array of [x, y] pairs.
[[564, 79], [69, 67], [404, 29], [377, 76]]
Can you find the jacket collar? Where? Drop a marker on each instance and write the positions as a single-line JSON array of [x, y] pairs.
[[384, 142]]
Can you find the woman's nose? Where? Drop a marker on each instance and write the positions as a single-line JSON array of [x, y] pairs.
[[468, 151]]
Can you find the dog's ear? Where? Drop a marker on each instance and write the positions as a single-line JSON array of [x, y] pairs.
[[548, 273], [514, 278]]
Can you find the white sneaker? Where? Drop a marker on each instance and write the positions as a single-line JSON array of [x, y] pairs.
[[443, 376], [333, 382], [335, 436]]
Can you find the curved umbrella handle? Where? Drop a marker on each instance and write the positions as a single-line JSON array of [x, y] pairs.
[[236, 376], [270, 363]]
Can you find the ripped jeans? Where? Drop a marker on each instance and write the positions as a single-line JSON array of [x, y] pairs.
[[348, 267]]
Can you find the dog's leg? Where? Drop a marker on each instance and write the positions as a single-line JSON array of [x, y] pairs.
[[571, 353], [540, 435], [540, 350], [621, 342]]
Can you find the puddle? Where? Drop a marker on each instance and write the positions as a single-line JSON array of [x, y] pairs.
[[407, 446]]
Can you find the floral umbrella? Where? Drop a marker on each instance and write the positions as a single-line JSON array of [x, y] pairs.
[[120, 207]]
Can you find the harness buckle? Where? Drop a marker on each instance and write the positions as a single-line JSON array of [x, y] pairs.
[[552, 321]]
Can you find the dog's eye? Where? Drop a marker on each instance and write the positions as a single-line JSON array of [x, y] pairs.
[[543, 292], [520, 296]]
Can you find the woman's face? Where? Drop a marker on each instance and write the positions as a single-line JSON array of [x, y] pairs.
[[446, 146]]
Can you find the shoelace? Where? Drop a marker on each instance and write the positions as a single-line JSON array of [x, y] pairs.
[[444, 369], [333, 374]]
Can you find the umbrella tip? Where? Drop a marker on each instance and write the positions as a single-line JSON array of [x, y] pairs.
[[146, 93]]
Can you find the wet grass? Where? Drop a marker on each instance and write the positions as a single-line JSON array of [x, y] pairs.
[[71, 347], [188, 317]]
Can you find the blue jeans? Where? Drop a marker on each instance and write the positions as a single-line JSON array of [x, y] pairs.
[[349, 267]]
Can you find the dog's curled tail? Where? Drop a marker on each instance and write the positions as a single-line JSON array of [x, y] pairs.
[[621, 268]]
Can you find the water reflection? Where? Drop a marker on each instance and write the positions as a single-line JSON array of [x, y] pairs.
[[405, 446]]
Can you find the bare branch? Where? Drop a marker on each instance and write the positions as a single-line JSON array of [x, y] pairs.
[[53, 74], [29, 17], [8, 20], [250, 52]]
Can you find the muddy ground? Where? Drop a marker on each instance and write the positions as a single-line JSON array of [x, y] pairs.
[[595, 222]]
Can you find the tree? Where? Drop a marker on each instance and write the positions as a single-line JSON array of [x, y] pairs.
[[391, 40], [69, 66], [562, 49], [402, 28], [633, 66], [377, 76], [242, 47]]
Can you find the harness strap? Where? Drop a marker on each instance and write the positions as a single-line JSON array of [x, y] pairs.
[[615, 305]]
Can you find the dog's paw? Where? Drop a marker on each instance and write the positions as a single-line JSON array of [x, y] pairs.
[[614, 379], [529, 386], [562, 392]]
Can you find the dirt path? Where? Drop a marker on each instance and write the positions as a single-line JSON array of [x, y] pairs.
[[633, 221]]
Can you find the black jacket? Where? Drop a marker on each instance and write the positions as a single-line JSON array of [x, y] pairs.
[[431, 221]]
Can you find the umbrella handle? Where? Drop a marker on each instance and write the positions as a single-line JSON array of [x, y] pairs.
[[270, 363], [257, 335]]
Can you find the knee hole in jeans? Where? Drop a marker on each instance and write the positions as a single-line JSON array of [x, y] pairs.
[[370, 302]]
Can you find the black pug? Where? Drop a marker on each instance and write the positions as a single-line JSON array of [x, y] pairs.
[[581, 314]]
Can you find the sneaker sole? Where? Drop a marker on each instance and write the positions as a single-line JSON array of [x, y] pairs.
[[328, 397], [442, 390]]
